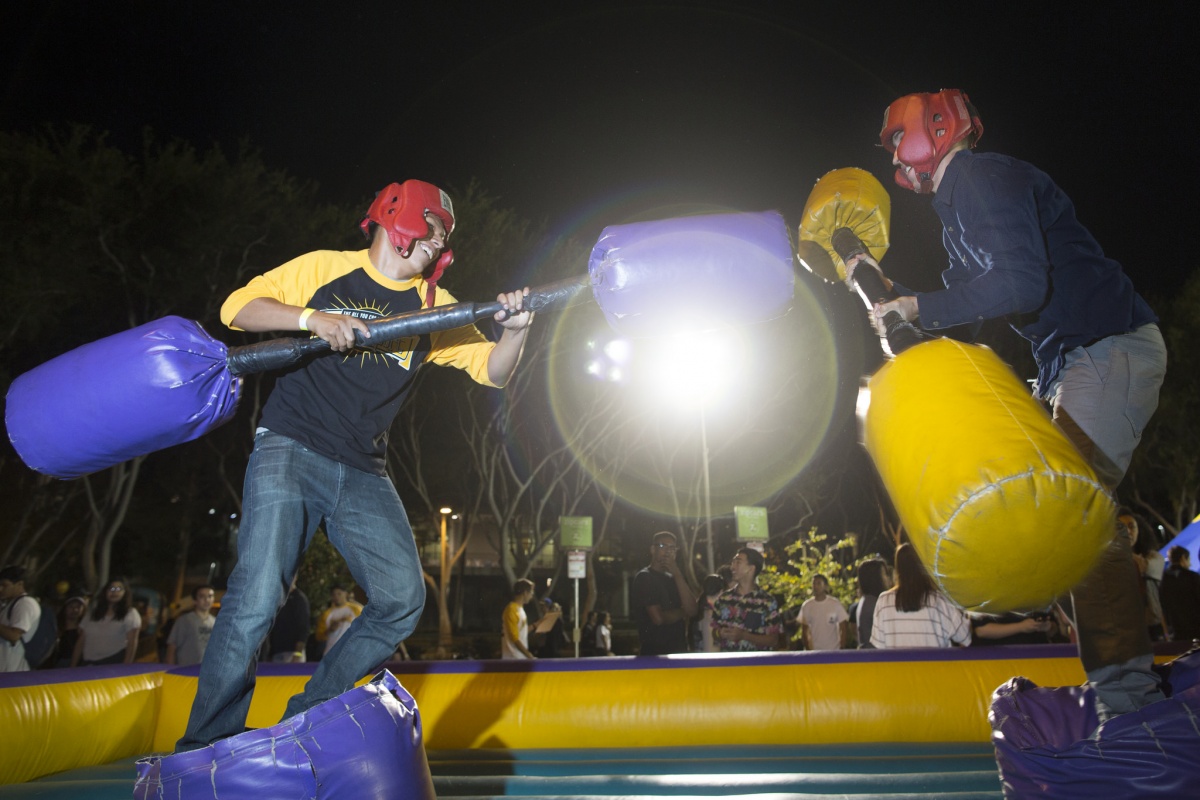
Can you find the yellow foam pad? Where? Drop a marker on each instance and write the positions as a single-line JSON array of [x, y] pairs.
[[1002, 508], [847, 198]]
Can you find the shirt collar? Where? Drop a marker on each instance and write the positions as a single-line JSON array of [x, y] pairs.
[[945, 192], [416, 282]]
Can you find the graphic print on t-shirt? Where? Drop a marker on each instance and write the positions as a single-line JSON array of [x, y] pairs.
[[398, 350]]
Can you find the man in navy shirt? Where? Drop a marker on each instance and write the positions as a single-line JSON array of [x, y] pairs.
[[1017, 251]]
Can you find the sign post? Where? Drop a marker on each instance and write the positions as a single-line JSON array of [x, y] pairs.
[[575, 536]]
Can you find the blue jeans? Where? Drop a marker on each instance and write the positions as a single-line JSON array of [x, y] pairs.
[[289, 491], [1102, 399]]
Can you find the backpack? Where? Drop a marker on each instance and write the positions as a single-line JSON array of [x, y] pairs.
[[44, 639]]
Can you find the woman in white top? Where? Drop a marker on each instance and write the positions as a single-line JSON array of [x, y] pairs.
[[109, 635], [915, 613]]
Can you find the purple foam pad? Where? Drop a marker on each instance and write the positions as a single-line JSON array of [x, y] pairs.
[[686, 274], [126, 395]]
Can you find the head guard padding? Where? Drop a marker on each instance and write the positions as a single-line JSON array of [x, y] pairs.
[[932, 123], [400, 209]]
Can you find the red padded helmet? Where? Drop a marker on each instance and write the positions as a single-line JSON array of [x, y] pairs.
[[932, 124], [400, 209]]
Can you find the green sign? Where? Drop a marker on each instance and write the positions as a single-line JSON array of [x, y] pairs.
[[751, 523], [575, 533]]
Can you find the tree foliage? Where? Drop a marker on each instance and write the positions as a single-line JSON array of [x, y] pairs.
[[94, 241], [1164, 479]]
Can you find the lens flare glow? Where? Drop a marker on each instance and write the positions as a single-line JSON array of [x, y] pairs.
[[769, 395], [682, 369]]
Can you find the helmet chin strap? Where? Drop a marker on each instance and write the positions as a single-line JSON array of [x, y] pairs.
[[925, 180]]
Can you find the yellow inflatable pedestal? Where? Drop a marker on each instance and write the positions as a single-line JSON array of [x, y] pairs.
[[1002, 508]]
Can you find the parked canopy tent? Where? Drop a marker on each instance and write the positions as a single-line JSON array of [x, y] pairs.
[[1188, 538]]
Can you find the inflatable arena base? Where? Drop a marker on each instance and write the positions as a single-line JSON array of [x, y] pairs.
[[859, 723]]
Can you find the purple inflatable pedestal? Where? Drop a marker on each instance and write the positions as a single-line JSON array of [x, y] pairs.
[[366, 744], [1048, 743]]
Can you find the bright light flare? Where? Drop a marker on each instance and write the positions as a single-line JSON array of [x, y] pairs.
[[619, 351], [862, 407], [611, 360], [770, 393], [691, 372]]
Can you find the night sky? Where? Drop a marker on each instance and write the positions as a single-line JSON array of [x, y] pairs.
[[587, 114]]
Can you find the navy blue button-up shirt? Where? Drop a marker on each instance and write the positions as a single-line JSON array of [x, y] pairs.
[[1017, 250]]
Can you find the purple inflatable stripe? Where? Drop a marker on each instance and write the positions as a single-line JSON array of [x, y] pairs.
[[693, 273], [126, 395], [365, 744]]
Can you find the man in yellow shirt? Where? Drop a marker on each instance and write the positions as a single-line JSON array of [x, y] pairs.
[[319, 452], [514, 640]]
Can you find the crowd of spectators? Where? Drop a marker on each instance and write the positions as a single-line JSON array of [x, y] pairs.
[[71, 628], [898, 605]]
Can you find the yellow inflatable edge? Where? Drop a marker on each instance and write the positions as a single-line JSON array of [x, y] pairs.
[[783, 698]]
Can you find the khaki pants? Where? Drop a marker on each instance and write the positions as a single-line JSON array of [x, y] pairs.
[[1102, 399]]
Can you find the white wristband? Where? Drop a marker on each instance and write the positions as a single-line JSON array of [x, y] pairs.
[[304, 315]]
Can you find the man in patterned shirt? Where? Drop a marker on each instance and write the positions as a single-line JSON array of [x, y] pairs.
[[745, 618]]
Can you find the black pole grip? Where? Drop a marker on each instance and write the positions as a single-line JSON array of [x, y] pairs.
[[901, 334], [284, 352]]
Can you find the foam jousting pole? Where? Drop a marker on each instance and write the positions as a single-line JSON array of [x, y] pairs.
[[282, 353], [168, 381]]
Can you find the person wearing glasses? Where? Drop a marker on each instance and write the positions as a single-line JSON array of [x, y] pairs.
[[661, 600], [109, 635]]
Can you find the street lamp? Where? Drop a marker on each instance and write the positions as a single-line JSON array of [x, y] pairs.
[[445, 639], [445, 511], [694, 372]]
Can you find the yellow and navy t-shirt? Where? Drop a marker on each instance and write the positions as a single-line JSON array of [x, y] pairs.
[[341, 405]]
